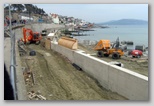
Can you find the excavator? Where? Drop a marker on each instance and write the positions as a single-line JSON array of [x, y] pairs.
[[30, 37], [104, 49]]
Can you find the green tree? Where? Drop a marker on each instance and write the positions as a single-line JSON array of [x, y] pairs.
[[17, 7], [7, 7], [14, 6], [30, 8], [20, 7]]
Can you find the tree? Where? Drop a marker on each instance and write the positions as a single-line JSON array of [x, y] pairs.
[[43, 12], [35, 9], [7, 7], [30, 8], [14, 6], [20, 7], [17, 7]]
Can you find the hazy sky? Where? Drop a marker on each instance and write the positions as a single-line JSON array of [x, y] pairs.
[[98, 12]]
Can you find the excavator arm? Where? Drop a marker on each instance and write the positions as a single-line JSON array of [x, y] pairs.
[[27, 34]]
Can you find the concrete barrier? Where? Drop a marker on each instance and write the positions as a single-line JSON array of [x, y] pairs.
[[93, 66], [125, 82], [128, 83], [21, 86]]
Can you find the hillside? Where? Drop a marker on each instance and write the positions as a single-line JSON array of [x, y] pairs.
[[126, 22]]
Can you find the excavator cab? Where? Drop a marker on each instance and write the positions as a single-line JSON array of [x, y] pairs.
[[36, 36]]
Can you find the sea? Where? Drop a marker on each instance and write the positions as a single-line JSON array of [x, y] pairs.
[[138, 34]]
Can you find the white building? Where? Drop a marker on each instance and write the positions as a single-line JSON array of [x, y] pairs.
[[55, 18], [26, 18]]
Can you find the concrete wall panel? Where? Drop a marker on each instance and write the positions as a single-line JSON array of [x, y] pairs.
[[127, 83], [96, 68]]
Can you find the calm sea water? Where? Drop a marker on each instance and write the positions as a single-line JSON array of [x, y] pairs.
[[136, 33]]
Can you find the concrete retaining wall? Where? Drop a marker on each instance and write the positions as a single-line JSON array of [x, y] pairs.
[[128, 83], [41, 26], [20, 83], [21, 86], [123, 81], [93, 66]]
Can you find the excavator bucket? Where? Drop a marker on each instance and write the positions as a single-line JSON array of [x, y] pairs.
[[102, 44], [68, 42]]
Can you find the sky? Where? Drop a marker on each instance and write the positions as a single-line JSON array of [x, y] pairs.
[[96, 13]]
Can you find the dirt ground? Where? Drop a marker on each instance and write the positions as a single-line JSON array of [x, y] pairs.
[[51, 76], [139, 65]]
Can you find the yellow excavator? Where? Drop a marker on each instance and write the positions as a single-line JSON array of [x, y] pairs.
[[104, 49]]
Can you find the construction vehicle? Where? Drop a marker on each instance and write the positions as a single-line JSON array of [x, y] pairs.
[[136, 53], [104, 48], [31, 37]]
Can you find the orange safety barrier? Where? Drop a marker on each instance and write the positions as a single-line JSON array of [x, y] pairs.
[[68, 42]]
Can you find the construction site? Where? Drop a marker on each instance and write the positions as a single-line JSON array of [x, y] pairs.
[[59, 68]]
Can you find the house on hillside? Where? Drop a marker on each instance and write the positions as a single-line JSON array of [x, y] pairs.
[[62, 19], [55, 18]]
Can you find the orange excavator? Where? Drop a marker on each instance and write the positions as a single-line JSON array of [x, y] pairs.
[[31, 37], [104, 49]]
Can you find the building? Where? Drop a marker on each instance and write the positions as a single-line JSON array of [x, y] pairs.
[[55, 18]]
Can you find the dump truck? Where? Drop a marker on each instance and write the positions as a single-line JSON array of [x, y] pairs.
[[104, 48]]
